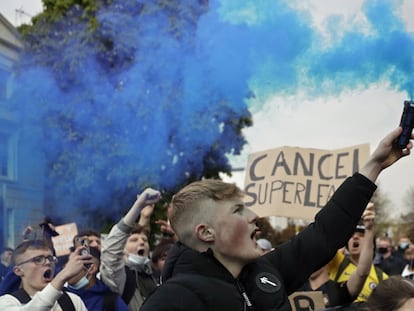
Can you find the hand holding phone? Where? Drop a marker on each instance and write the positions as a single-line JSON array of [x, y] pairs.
[[79, 241], [84, 242]]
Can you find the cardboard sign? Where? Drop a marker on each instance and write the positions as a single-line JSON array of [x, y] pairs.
[[297, 182], [307, 301], [63, 241]]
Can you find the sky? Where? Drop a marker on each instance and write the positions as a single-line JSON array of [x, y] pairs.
[[20, 11], [358, 115]]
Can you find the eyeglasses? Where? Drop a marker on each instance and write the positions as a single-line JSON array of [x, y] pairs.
[[40, 260]]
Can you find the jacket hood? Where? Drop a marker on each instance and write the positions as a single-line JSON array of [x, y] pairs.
[[98, 289], [182, 259]]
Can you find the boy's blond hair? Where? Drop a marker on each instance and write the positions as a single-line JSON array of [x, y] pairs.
[[192, 204]]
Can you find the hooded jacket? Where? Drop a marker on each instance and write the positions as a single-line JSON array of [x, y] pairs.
[[132, 281], [197, 281]]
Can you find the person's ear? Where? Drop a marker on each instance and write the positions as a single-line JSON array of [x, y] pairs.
[[18, 271], [205, 233], [93, 269]]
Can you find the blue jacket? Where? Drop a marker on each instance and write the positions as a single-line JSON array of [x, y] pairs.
[[10, 283], [93, 297]]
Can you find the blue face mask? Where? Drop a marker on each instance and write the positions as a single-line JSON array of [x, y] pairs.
[[137, 260], [80, 284]]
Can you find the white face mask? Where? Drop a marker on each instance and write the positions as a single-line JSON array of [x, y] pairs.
[[404, 245], [137, 260], [80, 284]]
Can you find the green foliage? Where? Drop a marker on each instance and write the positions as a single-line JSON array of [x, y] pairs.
[[382, 211], [408, 200], [114, 82]]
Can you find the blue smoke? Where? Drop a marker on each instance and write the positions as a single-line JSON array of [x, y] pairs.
[[167, 92], [383, 54]]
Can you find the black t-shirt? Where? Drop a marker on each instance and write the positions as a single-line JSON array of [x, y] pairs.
[[392, 265]]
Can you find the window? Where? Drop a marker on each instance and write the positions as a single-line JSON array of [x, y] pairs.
[[4, 155], [8, 148], [4, 76]]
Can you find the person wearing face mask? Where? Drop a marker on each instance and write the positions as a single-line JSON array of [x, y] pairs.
[[125, 263], [408, 271], [387, 261], [403, 244], [93, 292], [34, 263]]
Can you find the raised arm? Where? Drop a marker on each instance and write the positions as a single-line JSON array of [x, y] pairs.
[[147, 197], [112, 255], [385, 155], [358, 277], [76, 263], [145, 217], [335, 223]]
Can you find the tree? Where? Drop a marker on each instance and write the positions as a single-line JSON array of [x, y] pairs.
[[382, 220], [406, 224], [121, 98], [267, 231], [409, 204]]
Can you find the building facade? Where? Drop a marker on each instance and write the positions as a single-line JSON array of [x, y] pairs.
[[21, 171]]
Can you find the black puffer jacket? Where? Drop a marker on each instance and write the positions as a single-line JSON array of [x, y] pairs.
[[197, 281]]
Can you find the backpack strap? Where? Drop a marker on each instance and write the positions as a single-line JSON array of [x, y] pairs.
[[64, 301], [109, 301], [379, 273], [130, 285], [21, 295], [344, 263]]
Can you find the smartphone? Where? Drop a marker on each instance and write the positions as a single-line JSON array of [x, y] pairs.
[[407, 123], [79, 241]]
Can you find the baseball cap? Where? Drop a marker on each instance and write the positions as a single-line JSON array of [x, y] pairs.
[[360, 228]]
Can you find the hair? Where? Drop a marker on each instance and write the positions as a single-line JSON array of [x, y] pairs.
[[390, 294], [140, 230], [89, 232], [29, 244], [86, 232], [374, 242], [186, 208], [7, 249], [409, 252], [161, 250], [387, 239]]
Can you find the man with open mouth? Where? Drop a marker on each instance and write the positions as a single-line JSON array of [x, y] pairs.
[[341, 267], [34, 263], [125, 263]]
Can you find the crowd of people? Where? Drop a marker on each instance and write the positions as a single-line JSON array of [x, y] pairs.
[[215, 258]]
